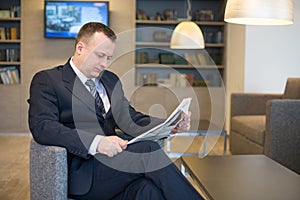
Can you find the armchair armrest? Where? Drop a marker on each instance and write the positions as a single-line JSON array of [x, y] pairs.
[[250, 104], [48, 172], [283, 132]]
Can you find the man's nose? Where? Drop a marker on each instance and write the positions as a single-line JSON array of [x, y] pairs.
[[103, 62]]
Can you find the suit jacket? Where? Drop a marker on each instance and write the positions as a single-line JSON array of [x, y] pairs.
[[62, 113]]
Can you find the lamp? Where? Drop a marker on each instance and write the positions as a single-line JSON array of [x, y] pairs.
[[259, 12], [187, 34]]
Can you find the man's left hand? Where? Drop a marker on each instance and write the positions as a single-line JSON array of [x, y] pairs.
[[184, 125]]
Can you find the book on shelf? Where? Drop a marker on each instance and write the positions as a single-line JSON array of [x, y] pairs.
[[4, 13], [9, 33], [4, 78], [141, 57], [149, 79], [9, 75], [166, 58], [181, 80], [10, 55], [15, 11], [2, 55], [13, 33], [178, 80], [2, 33], [191, 58], [198, 59], [205, 59]]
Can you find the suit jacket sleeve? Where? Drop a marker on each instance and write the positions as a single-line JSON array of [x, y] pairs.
[[45, 116]]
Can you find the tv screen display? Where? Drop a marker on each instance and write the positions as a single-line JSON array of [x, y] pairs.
[[63, 19]]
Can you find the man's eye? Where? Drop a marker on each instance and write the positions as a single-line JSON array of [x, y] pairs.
[[109, 58], [100, 55]]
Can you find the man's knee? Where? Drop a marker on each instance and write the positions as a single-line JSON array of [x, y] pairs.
[[142, 189]]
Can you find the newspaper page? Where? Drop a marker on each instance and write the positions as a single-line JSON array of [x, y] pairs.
[[164, 129]]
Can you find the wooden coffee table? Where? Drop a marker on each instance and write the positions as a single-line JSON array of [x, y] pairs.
[[243, 177]]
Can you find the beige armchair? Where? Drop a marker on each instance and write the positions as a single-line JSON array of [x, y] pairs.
[[268, 124]]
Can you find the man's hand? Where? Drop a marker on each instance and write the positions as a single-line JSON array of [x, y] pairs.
[[111, 145], [184, 125]]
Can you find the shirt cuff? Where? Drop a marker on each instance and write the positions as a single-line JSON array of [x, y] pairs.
[[94, 145]]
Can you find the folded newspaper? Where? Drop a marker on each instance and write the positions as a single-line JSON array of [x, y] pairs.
[[164, 129]]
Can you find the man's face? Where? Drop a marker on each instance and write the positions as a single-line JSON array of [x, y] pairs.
[[95, 55]]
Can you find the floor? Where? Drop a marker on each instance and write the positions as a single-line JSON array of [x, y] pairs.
[[14, 163]]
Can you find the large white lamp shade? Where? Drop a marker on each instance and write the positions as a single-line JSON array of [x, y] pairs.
[[259, 12], [187, 35]]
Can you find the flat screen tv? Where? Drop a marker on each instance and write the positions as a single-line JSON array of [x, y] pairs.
[[63, 19]]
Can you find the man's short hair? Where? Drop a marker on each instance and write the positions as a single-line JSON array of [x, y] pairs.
[[88, 29]]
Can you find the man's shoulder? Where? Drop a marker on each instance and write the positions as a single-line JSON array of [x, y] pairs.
[[52, 70], [49, 73]]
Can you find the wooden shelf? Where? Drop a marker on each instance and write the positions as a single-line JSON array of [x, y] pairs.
[[196, 88], [167, 44], [214, 45], [158, 65], [156, 22], [10, 41], [9, 63], [169, 22], [14, 86], [153, 44], [17, 19], [210, 23]]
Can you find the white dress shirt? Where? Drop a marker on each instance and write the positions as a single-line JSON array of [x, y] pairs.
[[103, 95]]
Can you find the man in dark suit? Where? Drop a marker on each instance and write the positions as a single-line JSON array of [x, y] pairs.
[[63, 112]]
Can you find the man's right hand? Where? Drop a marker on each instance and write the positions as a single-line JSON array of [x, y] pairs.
[[111, 145]]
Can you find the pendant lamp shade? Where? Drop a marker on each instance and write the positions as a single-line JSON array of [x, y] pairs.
[[187, 35], [259, 12]]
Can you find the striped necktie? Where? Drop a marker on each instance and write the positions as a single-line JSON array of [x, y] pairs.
[[98, 101]]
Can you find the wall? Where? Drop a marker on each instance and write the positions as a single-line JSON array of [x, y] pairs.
[[235, 62], [40, 53], [272, 55]]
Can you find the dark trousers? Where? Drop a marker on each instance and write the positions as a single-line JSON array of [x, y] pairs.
[[142, 172]]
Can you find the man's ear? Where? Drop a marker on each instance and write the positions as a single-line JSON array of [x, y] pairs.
[[79, 47]]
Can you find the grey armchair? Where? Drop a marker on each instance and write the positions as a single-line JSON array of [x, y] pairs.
[[268, 124], [49, 172]]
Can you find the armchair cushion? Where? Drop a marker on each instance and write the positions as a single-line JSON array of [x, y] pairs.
[[250, 126]]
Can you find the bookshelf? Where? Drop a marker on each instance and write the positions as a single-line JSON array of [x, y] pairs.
[[172, 74], [10, 42], [153, 32]]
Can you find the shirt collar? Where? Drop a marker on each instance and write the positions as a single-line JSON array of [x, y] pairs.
[[80, 75]]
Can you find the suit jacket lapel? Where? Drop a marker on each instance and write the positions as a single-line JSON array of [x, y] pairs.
[[75, 86]]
